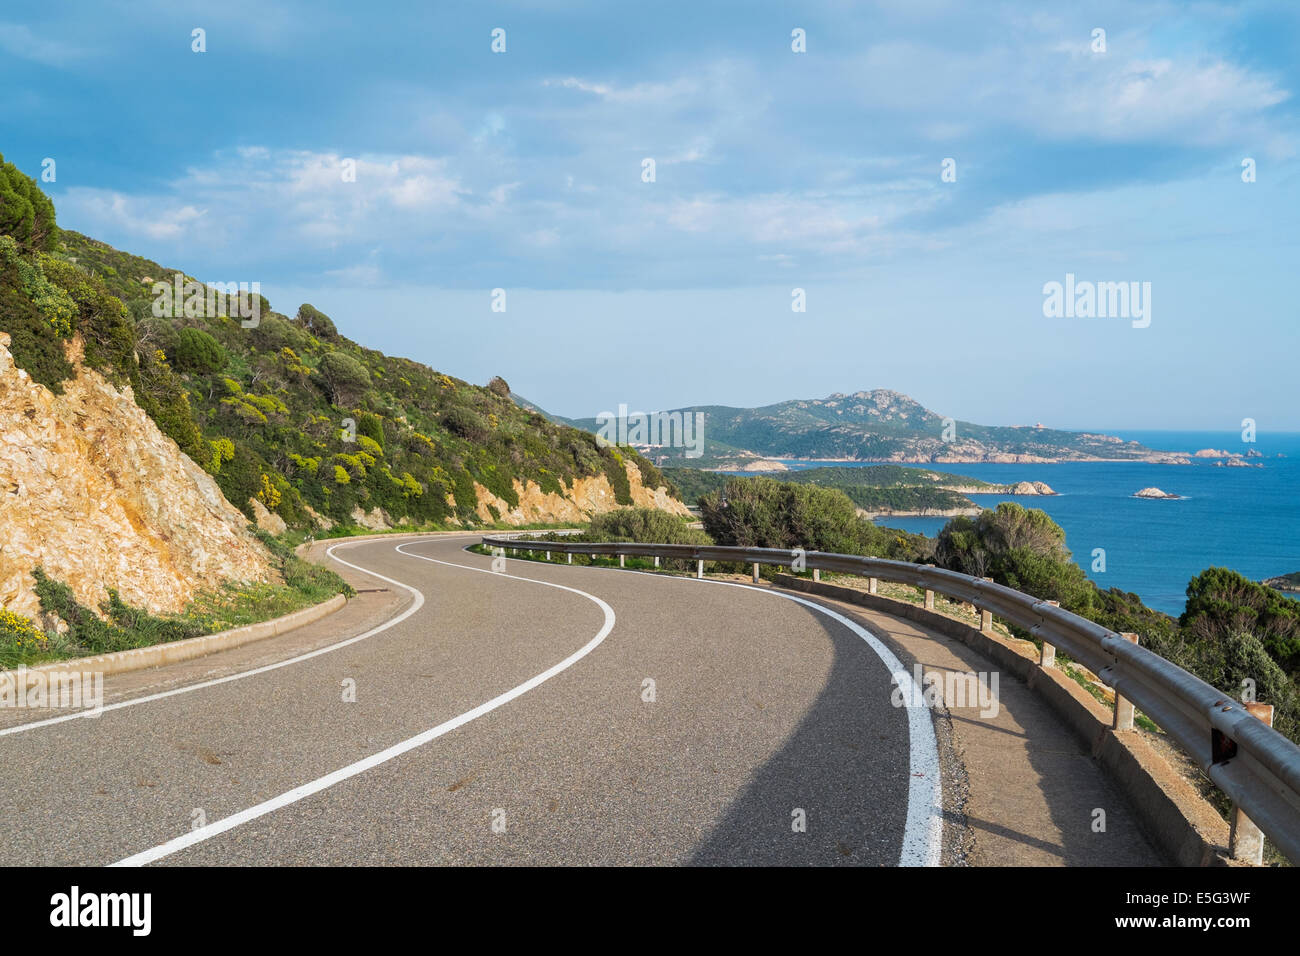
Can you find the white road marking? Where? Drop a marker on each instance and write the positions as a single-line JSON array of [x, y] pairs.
[[135, 701], [368, 763], [923, 829]]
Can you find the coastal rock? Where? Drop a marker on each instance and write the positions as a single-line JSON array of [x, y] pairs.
[[1211, 453], [1285, 582], [761, 465], [1030, 488], [1154, 493]]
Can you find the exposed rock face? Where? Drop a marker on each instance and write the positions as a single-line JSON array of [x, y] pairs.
[[322, 521], [266, 520], [1154, 493], [587, 497], [92, 491], [375, 519]]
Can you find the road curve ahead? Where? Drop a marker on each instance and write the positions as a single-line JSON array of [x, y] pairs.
[[544, 715]]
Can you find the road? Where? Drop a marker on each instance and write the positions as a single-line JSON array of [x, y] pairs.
[[452, 714]]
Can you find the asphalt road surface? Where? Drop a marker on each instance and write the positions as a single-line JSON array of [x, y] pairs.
[[453, 714]]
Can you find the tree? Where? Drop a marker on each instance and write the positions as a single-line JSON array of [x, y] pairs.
[[26, 213], [317, 323], [345, 377], [1222, 602], [499, 386], [1022, 548], [763, 513]]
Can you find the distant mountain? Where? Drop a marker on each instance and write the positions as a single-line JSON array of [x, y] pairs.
[[886, 426]]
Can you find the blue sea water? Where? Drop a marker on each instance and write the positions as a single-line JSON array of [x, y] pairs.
[[1246, 519]]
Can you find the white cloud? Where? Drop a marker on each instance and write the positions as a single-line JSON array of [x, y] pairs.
[[18, 40]]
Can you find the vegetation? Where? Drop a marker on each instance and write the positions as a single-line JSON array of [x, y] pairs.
[[763, 513], [648, 525], [874, 489], [286, 411], [1232, 631], [119, 626]]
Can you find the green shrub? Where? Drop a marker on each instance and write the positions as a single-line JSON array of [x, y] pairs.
[[646, 525], [197, 351], [345, 377]]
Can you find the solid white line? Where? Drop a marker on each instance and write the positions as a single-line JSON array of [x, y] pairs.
[[135, 701], [368, 763], [923, 829]]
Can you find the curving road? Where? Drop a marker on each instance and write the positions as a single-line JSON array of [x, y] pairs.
[[451, 714]]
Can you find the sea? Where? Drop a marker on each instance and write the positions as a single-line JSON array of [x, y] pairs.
[[1246, 519]]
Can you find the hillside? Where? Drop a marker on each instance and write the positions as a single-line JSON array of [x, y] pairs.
[[883, 425], [875, 489], [294, 424], [288, 415]]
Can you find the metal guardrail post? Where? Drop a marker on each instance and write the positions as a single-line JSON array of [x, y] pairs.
[[1123, 706], [1246, 840], [986, 616], [1048, 656]]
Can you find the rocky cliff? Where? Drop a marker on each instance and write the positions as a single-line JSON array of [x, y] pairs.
[[91, 490], [586, 497]]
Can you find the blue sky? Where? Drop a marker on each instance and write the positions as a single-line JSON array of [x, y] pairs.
[[774, 170]]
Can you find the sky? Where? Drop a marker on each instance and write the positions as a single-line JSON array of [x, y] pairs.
[[1114, 157]]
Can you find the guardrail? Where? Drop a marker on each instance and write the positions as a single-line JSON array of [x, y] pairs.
[[1253, 764]]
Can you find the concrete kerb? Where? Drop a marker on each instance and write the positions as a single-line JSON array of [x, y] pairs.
[[172, 652], [1185, 827]]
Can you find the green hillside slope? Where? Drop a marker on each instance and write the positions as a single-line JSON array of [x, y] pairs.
[[288, 412]]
